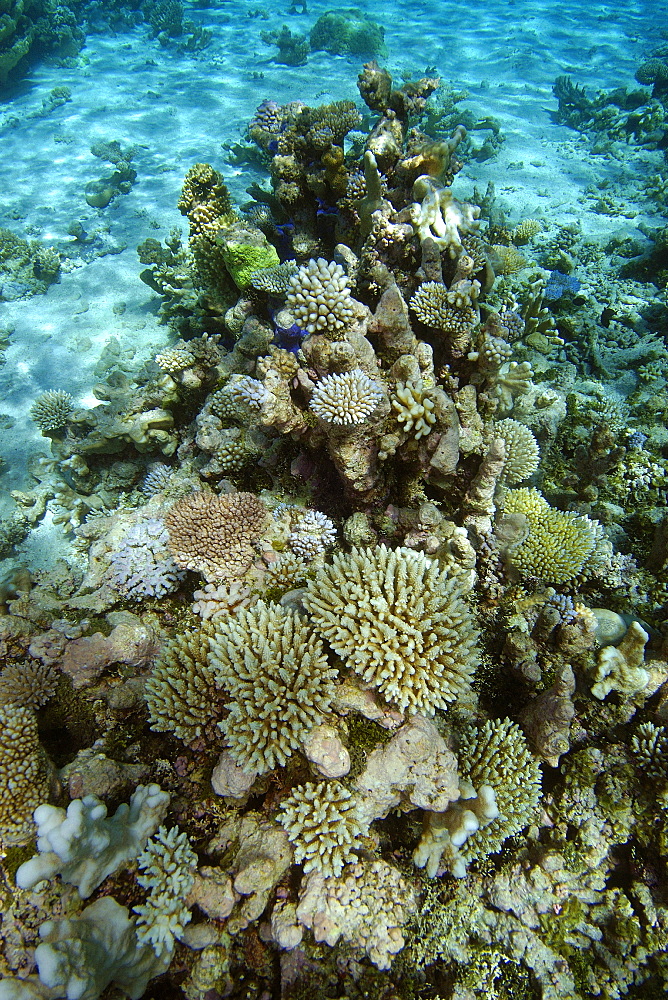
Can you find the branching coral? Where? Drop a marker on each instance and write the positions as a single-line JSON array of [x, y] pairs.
[[398, 621], [346, 399], [51, 410], [414, 406], [24, 773], [323, 823], [522, 452], [181, 693], [167, 866], [550, 544], [319, 298], [280, 684], [500, 785]]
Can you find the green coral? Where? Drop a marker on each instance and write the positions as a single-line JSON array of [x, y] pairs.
[[347, 32], [244, 259]]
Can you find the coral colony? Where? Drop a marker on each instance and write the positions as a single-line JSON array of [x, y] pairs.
[[359, 665]]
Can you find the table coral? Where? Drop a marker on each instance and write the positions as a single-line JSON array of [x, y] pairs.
[[279, 683], [214, 535], [399, 622]]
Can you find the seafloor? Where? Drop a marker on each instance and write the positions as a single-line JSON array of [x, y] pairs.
[[333, 529]]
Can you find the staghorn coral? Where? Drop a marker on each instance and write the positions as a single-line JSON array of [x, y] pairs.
[[550, 544], [278, 681], [214, 535], [650, 748], [319, 298], [398, 621], [182, 694], [322, 822], [346, 399], [30, 684], [24, 773], [51, 410], [414, 406], [522, 452]]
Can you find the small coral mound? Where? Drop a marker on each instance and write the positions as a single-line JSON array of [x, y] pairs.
[[556, 544], [142, 566], [24, 783], [319, 298], [442, 309], [181, 693], [522, 451], [346, 399], [214, 535], [51, 410], [312, 535], [323, 823], [400, 622], [366, 906], [278, 679], [29, 684], [414, 407]]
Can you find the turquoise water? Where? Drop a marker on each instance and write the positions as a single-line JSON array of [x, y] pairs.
[[411, 486]]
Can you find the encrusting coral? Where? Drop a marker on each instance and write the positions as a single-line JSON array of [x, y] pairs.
[[399, 622]]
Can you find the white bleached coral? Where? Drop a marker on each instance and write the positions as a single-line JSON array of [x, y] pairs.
[[398, 621], [346, 399], [319, 298], [84, 845]]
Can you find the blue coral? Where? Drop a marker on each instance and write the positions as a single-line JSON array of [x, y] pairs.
[[559, 284], [142, 565]]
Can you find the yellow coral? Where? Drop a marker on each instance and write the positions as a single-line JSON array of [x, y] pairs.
[[554, 545]]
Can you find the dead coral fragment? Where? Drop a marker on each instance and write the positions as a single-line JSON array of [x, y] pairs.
[[322, 822], [346, 399], [400, 622], [278, 679], [214, 535]]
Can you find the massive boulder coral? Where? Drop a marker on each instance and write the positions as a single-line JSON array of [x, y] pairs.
[[399, 622], [214, 535]]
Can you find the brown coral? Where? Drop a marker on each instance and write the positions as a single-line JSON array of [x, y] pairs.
[[214, 535]]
